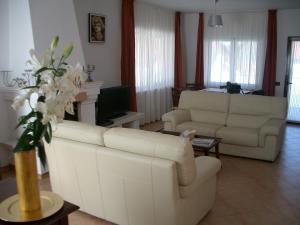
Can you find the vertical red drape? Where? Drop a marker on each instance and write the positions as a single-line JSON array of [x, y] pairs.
[[271, 55], [199, 76], [178, 71], [128, 50]]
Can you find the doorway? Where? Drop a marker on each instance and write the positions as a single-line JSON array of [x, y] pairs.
[[292, 81]]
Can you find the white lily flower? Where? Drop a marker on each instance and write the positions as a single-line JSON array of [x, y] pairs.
[[19, 100]]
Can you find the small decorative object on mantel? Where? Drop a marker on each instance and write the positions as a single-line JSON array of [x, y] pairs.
[[54, 91], [96, 28], [89, 70], [28, 76], [19, 82], [25, 81]]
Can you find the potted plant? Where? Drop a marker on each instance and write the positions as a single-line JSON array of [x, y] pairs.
[[55, 88]]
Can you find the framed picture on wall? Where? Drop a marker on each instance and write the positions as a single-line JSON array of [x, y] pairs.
[[96, 28]]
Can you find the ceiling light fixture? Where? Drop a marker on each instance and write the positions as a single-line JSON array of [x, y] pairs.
[[215, 20]]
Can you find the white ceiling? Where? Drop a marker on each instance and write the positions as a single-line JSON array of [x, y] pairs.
[[225, 5]]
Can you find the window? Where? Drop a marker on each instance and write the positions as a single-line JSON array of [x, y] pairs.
[[233, 61], [236, 52], [154, 59]]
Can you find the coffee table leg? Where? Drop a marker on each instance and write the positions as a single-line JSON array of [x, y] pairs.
[[206, 152], [217, 151]]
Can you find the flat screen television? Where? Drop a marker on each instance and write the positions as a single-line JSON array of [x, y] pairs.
[[112, 102]]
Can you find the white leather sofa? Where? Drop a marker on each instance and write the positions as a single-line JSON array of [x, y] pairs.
[[129, 176], [250, 126]]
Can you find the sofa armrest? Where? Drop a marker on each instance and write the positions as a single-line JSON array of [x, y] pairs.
[[273, 127], [176, 117], [207, 167]]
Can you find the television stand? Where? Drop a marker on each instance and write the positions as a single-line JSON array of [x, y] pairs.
[[105, 123], [130, 120]]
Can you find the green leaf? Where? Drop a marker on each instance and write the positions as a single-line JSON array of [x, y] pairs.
[[62, 70], [47, 137], [54, 43], [39, 128], [23, 119], [41, 153], [39, 115], [25, 142], [42, 70], [30, 87], [50, 130], [41, 99], [59, 73], [38, 80]]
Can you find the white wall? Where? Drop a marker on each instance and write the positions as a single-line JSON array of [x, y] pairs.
[[56, 17], [16, 40], [20, 33], [106, 56], [4, 37], [287, 26]]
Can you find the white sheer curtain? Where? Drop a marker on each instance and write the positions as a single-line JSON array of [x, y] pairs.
[[154, 63], [236, 52]]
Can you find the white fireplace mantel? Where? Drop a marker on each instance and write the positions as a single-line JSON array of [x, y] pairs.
[[86, 109]]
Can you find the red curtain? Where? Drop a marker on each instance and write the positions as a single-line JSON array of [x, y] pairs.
[[128, 51], [178, 74], [199, 76], [271, 55]]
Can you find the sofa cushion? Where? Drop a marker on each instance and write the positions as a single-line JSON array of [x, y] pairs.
[[207, 167], [204, 100], [80, 132], [208, 116], [239, 136], [247, 121], [204, 129], [155, 145], [272, 107]]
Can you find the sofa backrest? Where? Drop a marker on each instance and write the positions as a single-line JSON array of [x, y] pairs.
[[81, 132], [114, 185], [253, 111], [155, 145], [204, 106], [144, 143]]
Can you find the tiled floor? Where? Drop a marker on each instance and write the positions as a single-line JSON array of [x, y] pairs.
[[250, 192]]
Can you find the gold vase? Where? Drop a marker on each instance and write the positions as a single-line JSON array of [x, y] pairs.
[[28, 184]]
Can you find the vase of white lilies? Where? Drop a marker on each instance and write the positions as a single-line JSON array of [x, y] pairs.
[[56, 86]]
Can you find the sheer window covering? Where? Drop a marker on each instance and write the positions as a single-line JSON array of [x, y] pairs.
[[154, 53], [236, 52]]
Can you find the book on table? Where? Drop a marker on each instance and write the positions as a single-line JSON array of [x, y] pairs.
[[203, 142]]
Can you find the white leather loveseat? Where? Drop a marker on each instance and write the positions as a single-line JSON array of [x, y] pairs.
[[129, 176], [250, 126]]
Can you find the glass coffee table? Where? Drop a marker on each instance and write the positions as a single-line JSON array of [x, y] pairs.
[[199, 149]]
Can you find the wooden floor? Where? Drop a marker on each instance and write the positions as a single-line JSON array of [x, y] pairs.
[[250, 192]]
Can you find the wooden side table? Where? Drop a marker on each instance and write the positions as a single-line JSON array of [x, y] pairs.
[[8, 188], [197, 149], [215, 144]]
